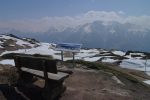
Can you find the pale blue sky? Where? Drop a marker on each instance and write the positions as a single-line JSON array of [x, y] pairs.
[[34, 9], [43, 15]]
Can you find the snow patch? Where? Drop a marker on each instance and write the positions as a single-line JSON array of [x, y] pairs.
[[92, 59], [109, 60], [147, 82], [7, 62], [120, 53], [117, 80], [1, 46]]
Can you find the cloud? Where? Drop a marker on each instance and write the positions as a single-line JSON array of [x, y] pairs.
[[121, 12], [61, 23], [101, 16], [142, 21]]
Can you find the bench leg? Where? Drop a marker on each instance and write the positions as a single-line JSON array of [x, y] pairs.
[[53, 89]]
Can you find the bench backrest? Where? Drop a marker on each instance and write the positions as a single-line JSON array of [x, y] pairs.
[[37, 63]]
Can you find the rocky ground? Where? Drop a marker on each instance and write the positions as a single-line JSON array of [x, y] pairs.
[[83, 84]]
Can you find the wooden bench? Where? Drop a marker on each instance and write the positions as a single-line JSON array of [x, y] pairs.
[[29, 66]]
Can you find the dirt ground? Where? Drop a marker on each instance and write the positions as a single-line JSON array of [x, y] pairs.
[[99, 85], [84, 84]]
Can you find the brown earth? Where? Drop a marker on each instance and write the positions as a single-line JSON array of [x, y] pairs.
[[83, 84], [99, 85]]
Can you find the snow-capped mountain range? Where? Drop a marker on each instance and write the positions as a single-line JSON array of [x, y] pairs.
[[98, 35], [96, 29]]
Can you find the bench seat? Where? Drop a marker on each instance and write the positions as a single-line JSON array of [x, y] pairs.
[[58, 77]]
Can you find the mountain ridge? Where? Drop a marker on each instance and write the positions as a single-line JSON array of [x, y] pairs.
[[98, 35]]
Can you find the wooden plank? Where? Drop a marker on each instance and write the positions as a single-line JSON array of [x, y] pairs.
[[36, 63], [59, 76]]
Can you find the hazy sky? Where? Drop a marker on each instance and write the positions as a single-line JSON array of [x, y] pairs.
[[42, 15], [30, 9]]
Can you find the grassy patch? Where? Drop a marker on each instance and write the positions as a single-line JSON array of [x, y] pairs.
[[115, 70]]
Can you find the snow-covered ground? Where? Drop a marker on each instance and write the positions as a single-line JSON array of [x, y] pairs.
[[91, 55], [18, 41], [88, 55], [137, 64], [47, 49]]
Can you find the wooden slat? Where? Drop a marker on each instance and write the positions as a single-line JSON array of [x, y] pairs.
[[59, 76], [36, 63]]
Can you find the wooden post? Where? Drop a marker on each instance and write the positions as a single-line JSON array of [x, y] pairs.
[[145, 64], [45, 73], [62, 56], [73, 59]]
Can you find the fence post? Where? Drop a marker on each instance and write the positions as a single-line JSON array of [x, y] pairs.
[[145, 64], [62, 57], [73, 59]]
